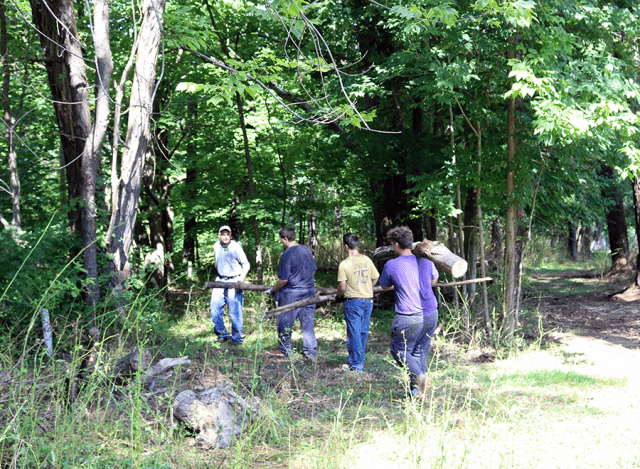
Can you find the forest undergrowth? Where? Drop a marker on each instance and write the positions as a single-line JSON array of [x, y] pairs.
[[562, 397]]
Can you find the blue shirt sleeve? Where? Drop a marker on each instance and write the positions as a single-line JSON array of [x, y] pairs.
[[385, 278]]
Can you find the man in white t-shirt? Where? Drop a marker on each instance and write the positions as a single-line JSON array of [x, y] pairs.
[[232, 266], [356, 277]]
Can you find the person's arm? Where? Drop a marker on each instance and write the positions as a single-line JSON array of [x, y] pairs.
[[342, 287], [374, 281], [385, 279], [434, 280], [245, 271], [279, 286]]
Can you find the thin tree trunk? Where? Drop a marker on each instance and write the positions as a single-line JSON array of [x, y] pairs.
[[190, 222], [636, 213], [511, 255], [572, 241], [127, 190], [483, 268], [14, 179], [465, 304], [252, 189], [93, 146]]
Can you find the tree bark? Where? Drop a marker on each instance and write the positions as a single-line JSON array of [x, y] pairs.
[[616, 222], [127, 191], [636, 213], [93, 146], [511, 219], [56, 23], [572, 241], [190, 222], [14, 178]]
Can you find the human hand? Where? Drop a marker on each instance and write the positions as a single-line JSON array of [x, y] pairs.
[[269, 292]]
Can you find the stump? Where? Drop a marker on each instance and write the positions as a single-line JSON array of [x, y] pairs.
[[217, 415]]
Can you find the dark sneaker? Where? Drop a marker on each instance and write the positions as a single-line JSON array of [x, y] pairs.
[[223, 340]]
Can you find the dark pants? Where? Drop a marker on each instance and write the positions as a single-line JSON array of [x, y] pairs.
[[357, 314], [408, 337], [305, 315], [430, 323]]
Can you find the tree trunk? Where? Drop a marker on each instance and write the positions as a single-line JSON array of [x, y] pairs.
[[586, 241], [616, 222], [252, 190], [470, 238], [56, 23], [511, 219], [636, 213], [190, 223], [127, 191], [81, 142], [572, 242], [93, 146], [14, 179]]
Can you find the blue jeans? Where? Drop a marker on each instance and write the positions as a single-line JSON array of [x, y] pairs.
[[305, 315], [408, 337], [234, 299], [357, 314], [430, 323]]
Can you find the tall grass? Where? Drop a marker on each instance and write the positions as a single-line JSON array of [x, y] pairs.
[[530, 407]]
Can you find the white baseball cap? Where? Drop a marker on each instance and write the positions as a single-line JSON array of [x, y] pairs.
[[224, 228]]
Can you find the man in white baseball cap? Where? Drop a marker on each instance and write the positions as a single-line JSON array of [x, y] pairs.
[[232, 266]]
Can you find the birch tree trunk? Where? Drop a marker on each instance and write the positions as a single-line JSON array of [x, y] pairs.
[[127, 192]]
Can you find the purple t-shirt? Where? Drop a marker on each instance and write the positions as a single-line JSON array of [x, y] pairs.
[[406, 277]]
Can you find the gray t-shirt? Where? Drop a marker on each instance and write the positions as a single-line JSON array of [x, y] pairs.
[[230, 259]]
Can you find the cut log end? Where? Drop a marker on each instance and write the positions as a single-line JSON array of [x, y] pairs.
[[459, 268]]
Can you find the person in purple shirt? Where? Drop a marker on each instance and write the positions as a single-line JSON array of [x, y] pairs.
[[296, 282], [416, 307]]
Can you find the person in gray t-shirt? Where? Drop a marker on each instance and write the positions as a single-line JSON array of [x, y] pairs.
[[233, 266]]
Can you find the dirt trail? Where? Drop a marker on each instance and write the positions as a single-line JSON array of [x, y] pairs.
[[589, 312]]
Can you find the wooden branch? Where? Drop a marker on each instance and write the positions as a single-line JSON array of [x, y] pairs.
[[436, 252], [317, 299], [464, 282], [299, 304], [254, 287], [237, 286]]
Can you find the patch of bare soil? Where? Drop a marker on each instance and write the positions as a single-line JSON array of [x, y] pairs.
[[583, 304]]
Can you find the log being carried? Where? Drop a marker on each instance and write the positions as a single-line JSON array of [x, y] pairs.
[[436, 252]]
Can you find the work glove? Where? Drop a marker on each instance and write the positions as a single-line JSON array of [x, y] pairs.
[[269, 292]]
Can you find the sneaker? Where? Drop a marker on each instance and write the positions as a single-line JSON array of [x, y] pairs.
[[350, 369], [225, 339]]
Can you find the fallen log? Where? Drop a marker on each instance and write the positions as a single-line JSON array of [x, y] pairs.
[[332, 297], [140, 361], [436, 252]]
